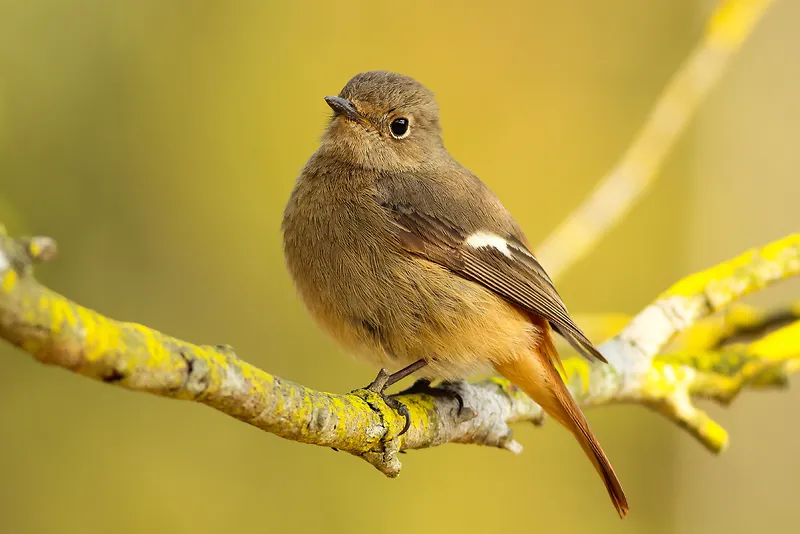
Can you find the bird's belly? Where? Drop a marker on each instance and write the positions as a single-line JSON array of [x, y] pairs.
[[411, 309]]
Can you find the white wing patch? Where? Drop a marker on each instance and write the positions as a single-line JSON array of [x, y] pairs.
[[485, 239]]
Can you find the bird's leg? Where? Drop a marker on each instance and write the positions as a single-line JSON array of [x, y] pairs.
[[423, 386], [384, 380]]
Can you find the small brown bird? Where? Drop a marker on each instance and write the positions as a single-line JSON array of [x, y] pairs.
[[412, 263]]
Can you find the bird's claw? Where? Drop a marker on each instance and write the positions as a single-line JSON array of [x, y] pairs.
[[379, 385], [423, 386]]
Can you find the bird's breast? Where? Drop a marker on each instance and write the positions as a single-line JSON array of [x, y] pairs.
[[341, 255], [383, 303]]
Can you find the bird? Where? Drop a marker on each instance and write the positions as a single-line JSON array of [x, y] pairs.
[[409, 261]]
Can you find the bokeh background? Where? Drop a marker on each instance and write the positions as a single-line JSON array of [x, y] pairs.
[[158, 142]]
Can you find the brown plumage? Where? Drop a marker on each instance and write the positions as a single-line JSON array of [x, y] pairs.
[[403, 255]]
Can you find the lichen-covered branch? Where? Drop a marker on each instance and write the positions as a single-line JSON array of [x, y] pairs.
[[617, 192], [745, 323], [720, 375], [699, 295], [738, 323], [60, 332]]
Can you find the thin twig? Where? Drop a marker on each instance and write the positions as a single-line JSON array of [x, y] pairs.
[[637, 170]]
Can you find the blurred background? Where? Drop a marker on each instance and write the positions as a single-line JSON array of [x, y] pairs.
[[158, 142]]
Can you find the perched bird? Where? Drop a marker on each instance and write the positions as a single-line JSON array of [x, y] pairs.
[[412, 263]]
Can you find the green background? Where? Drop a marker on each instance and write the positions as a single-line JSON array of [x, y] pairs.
[[158, 141]]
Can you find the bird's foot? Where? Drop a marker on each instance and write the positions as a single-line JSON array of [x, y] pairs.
[[379, 385], [423, 386]]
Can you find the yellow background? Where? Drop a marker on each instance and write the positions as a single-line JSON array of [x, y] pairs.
[[158, 141]]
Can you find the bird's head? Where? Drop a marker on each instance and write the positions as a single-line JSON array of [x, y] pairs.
[[383, 121]]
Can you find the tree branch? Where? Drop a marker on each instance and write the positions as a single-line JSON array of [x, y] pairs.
[[57, 331], [617, 192], [744, 323]]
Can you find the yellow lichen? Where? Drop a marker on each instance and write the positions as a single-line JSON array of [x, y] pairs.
[[714, 435], [9, 280], [735, 278], [733, 20], [577, 369], [782, 344], [34, 249]]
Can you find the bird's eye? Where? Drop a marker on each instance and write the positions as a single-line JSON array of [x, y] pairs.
[[399, 128]]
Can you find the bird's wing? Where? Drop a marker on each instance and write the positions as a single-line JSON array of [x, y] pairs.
[[500, 263]]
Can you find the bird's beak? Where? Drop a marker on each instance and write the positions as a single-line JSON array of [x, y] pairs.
[[344, 107]]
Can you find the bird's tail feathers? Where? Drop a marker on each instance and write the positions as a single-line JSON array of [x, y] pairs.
[[537, 376]]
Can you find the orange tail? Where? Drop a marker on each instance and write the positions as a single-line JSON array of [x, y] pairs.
[[537, 376]]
